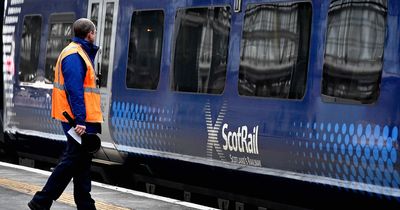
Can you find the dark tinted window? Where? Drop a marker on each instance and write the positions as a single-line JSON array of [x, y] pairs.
[[145, 47], [354, 50], [274, 50], [30, 45], [60, 35], [201, 48]]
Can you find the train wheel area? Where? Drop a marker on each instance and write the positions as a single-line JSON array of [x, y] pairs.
[[230, 189], [211, 186]]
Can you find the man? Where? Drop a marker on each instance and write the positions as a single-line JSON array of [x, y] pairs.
[[74, 91]]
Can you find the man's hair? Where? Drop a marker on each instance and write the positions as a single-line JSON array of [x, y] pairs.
[[82, 27]]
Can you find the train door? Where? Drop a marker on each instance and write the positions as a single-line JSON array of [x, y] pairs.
[[104, 14]]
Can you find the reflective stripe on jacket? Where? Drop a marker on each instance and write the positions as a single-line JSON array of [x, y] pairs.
[[91, 92]]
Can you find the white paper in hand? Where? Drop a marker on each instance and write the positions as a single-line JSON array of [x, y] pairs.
[[75, 135]]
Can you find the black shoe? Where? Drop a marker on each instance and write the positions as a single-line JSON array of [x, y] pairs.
[[35, 206]]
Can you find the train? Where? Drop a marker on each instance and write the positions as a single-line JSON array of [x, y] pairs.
[[257, 102]]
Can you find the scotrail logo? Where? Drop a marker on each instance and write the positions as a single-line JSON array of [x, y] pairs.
[[240, 140]]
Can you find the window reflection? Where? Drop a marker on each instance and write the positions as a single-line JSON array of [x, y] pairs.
[[354, 50], [201, 48], [30, 46], [105, 60], [94, 15], [274, 50], [60, 36], [145, 46]]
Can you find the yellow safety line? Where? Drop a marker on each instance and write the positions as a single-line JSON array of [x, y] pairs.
[[66, 198]]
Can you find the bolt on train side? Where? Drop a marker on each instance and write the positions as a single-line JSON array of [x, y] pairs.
[[305, 90]]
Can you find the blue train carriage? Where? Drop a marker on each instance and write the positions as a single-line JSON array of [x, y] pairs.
[[299, 90], [35, 33]]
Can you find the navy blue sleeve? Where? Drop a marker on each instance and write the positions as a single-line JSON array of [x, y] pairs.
[[74, 71]]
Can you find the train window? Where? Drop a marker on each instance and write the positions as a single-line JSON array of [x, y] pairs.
[[354, 51], [105, 60], [60, 35], [201, 49], [274, 50], [145, 45], [30, 45]]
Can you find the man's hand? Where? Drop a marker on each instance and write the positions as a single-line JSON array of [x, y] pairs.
[[80, 129]]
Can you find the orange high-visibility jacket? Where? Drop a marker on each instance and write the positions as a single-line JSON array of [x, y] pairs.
[[91, 92]]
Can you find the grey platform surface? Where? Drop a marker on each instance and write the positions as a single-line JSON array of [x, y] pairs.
[[19, 183]]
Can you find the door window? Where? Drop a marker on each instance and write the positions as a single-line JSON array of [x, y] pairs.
[[105, 60]]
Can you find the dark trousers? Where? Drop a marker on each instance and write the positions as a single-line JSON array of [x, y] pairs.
[[75, 163]]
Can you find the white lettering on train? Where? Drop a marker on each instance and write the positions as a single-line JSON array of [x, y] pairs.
[[242, 140]]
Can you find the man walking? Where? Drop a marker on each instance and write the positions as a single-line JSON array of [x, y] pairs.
[[75, 92]]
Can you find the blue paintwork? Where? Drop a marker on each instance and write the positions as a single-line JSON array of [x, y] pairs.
[[345, 142], [32, 105]]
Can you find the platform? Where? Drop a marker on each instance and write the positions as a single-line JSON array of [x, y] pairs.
[[19, 183]]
